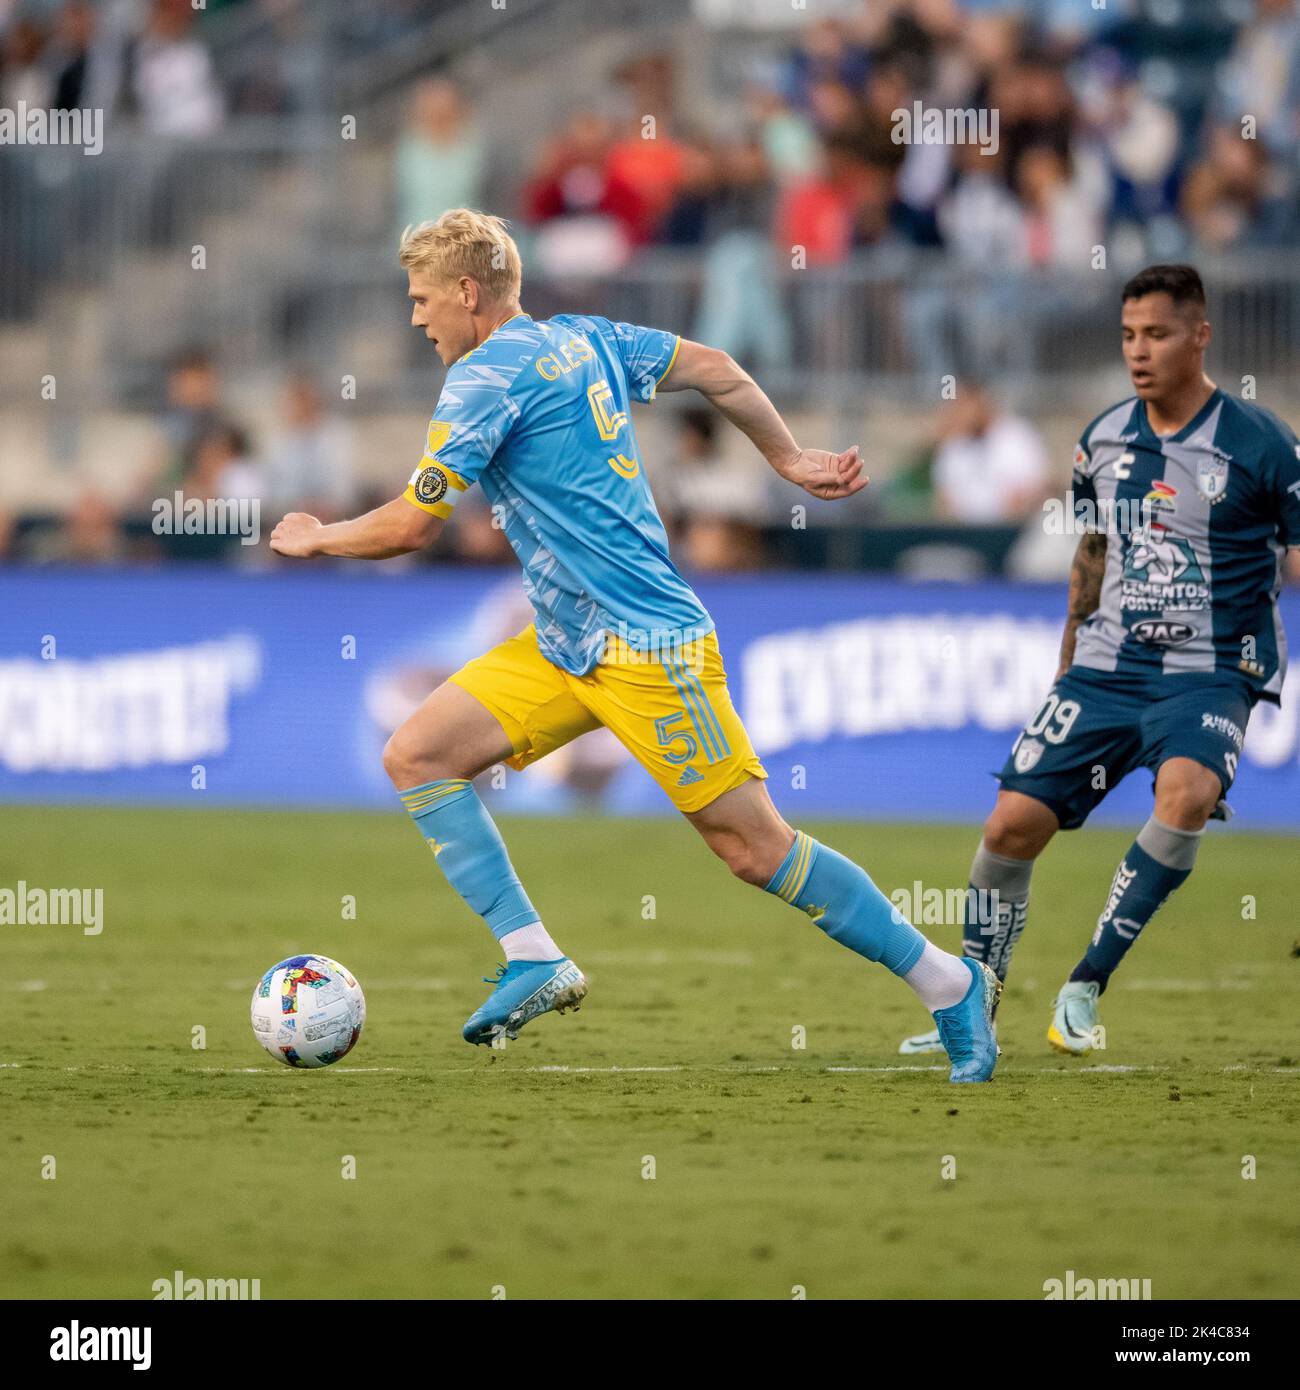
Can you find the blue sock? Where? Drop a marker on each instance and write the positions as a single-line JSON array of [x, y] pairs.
[[846, 905], [1158, 861], [470, 851]]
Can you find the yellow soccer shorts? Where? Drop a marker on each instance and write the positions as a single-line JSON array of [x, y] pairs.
[[673, 714]]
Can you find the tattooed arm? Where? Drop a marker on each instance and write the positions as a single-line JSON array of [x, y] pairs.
[[1085, 592]]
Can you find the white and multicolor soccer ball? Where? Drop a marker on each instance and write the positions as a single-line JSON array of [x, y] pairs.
[[308, 1011]]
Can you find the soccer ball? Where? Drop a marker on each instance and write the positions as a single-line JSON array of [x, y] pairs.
[[308, 1011]]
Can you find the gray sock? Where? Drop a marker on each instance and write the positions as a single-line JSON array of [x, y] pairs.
[[1175, 849], [993, 924]]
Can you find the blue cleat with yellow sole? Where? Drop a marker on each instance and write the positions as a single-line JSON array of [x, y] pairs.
[[525, 989]]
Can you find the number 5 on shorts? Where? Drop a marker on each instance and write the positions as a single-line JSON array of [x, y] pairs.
[[668, 736]]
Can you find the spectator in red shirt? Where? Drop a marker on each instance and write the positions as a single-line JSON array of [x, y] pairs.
[[575, 179]]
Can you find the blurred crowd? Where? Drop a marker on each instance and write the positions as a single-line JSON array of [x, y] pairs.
[[1161, 133], [150, 62], [1161, 129], [1177, 124], [145, 61], [204, 451]]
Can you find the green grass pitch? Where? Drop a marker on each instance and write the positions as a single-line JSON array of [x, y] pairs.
[[775, 1168]]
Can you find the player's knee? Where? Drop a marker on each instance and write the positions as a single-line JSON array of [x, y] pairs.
[[750, 867], [1011, 835], [742, 857], [1187, 806], [407, 765], [395, 762]]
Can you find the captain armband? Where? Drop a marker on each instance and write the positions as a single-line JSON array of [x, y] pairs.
[[434, 487]]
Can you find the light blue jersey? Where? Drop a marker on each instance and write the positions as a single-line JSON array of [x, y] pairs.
[[538, 414]]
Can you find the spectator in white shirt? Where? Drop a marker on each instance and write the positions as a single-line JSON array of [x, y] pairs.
[[172, 80], [990, 466], [309, 460]]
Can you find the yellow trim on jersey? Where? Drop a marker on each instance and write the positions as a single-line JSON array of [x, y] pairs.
[[677, 347]]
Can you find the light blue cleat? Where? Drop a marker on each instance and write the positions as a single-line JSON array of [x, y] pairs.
[[525, 989], [1074, 1028], [966, 1029]]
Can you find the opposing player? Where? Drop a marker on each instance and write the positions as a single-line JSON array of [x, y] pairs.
[[1173, 634], [538, 414]]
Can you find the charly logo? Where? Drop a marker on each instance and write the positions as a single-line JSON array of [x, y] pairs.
[[431, 485]]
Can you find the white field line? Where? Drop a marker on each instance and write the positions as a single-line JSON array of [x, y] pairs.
[[1064, 1069]]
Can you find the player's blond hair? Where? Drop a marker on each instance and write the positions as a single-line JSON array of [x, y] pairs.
[[465, 242]]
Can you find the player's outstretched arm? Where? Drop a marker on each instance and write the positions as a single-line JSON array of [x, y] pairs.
[[396, 528], [738, 396], [1085, 592]]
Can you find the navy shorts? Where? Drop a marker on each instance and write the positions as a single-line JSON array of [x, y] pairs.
[[1095, 727]]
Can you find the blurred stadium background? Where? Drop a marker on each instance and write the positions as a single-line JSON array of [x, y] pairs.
[[212, 305]]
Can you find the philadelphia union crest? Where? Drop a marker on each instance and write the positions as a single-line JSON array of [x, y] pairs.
[[1212, 478], [431, 485]]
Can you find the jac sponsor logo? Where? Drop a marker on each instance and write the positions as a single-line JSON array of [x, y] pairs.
[[1160, 632]]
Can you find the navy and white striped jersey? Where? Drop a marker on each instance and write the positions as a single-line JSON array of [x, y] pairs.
[[1197, 524]]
